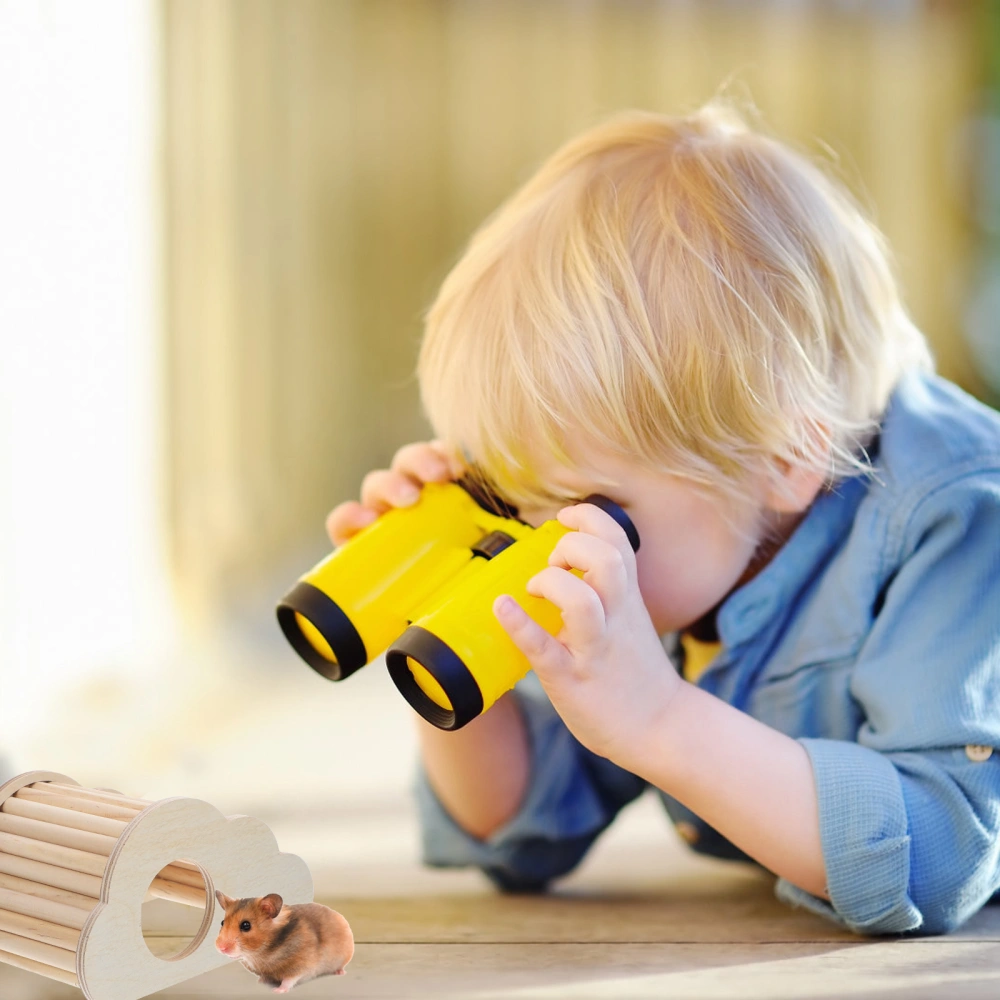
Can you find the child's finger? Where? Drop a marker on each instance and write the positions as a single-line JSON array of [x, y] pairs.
[[422, 463], [346, 520], [542, 650], [384, 489], [585, 517], [450, 456], [601, 563], [583, 613]]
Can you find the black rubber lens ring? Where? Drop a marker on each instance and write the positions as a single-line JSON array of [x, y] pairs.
[[329, 620], [610, 507], [446, 667]]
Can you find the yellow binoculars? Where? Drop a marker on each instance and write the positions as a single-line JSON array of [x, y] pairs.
[[421, 580]]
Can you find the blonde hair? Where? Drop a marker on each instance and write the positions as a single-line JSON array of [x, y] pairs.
[[685, 291]]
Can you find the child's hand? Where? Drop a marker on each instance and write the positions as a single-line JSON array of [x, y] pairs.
[[606, 672], [398, 486]]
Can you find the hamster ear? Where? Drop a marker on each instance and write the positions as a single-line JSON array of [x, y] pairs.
[[271, 905], [224, 900]]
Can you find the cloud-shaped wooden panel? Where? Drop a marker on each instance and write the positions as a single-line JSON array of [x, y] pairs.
[[76, 865], [238, 855]]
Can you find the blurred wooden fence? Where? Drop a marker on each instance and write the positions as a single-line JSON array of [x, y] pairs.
[[325, 160]]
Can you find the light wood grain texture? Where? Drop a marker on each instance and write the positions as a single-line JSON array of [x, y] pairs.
[[182, 875], [30, 965], [50, 833], [44, 891], [691, 931], [99, 795], [39, 930], [93, 806], [21, 781], [920, 969], [180, 850], [54, 854], [63, 817], [26, 947], [63, 878], [44, 909], [706, 913], [186, 894]]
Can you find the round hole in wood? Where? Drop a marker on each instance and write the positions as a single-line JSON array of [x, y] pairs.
[[177, 910]]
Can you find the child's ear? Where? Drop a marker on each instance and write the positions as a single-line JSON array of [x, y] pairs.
[[792, 488], [792, 484]]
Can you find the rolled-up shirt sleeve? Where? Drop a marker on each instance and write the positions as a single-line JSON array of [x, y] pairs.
[[909, 815], [572, 796]]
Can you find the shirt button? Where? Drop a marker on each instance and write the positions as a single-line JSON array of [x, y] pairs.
[[688, 832], [978, 753]]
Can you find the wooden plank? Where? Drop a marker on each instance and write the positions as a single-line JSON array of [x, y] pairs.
[[96, 794], [43, 909], [66, 801], [39, 930], [162, 889], [54, 854], [182, 875], [38, 951], [43, 890], [50, 833], [53, 875], [924, 969], [39, 968], [685, 913], [63, 817]]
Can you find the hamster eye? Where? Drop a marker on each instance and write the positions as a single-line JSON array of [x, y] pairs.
[[222, 923], [245, 925]]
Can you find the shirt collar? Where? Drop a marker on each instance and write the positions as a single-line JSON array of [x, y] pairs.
[[746, 611]]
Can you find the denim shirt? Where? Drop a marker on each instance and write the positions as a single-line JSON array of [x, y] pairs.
[[873, 638]]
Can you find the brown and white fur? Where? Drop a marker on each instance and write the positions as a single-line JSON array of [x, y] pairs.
[[284, 945]]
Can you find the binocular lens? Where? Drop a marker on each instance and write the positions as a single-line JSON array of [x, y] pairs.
[[430, 687], [434, 679], [314, 637]]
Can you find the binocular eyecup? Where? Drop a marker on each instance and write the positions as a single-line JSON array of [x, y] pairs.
[[312, 622], [418, 646]]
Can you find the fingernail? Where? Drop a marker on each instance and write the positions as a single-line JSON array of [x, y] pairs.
[[407, 496], [506, 605]]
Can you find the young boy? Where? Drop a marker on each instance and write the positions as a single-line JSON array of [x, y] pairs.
[[692, 319]]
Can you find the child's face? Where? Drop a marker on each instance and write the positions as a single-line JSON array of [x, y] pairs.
[[692, 552]]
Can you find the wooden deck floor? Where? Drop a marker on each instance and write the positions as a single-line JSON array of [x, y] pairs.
[[625, 926], [641, 917]]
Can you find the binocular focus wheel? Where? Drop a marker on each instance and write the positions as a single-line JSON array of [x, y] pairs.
[[331, 622], [446, 667]]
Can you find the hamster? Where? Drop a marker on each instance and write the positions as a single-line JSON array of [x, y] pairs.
[[284, 945]]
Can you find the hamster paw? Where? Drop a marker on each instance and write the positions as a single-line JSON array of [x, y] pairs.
[[341, 972]]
